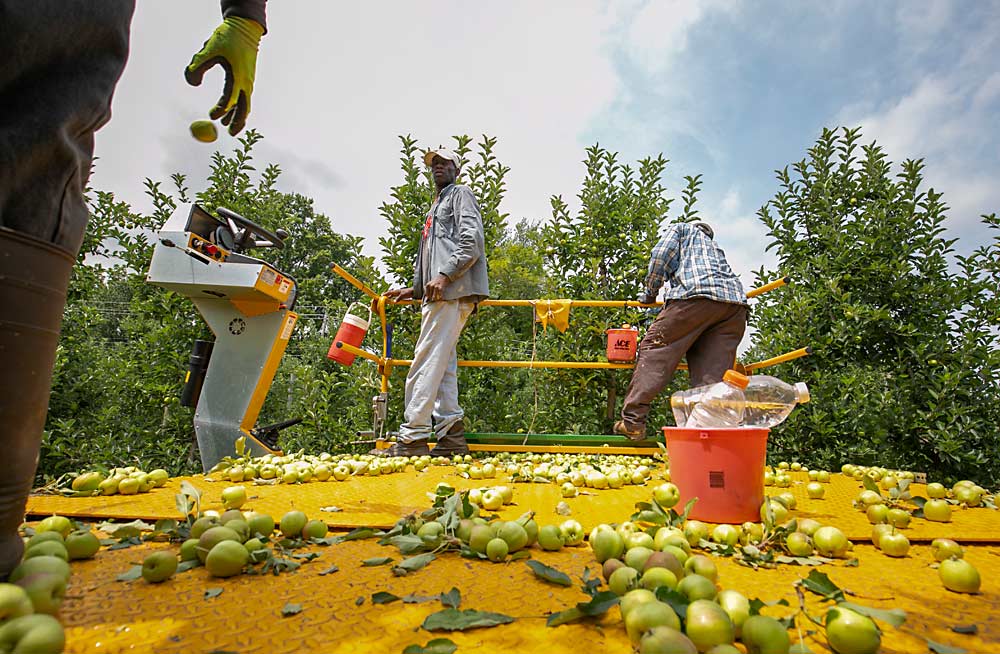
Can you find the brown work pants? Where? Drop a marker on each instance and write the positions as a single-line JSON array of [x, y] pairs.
[[707, 332]]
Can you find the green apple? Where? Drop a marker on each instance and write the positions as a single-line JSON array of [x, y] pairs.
[[654, 578], [58, 523], [606, 543], [751, 532], [189, 550], [159, 566], [204, 131], [158, 477], [958, 575], [736, 606], [32, 634], [261, 524], [609, 568], [824, 477], [492, 500], [129, 486], [46, 590], [506, 492], [831, 542], [700, 564], [241, 528], [695, 531], [936, 491], [707, 625], [292, 524], [869, 498], [899, 518], [725, 535], [231, 514], [815, 490], [38, 564], [877, 513], [808, 526], [666, 640], [788, 499], [637, 556], [696, 587], [634, 598], [623, 580], [514, 535], [764, 635], [227, 558], [667, 495], [43, 536], [849, 632], [82, 544], [479, 538], [496, 550], [945, 548], [213, 537], [572, 532], [14, 602], [799, 544], [937, 511], [639, 539], [648, 615], [48, 548], [880, 530], [894, 544], [203, 524], [318, 529], [550, 539], [778, 511], [665, 560], [679, 553]]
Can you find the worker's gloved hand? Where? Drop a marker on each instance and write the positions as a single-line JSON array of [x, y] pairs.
[[233, 45]]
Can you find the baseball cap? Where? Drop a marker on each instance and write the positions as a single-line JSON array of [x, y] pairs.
[[706, 228], [444, 154]]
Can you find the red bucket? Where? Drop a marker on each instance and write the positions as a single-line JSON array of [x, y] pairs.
[[723, 468], [352, 331], [622, 344]]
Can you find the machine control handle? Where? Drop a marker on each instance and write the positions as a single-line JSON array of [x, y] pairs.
[[251, 229]]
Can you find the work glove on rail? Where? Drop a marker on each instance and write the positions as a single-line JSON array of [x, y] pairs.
[[233, 45]]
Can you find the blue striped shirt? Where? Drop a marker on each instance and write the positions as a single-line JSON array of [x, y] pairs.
[[694, 266]]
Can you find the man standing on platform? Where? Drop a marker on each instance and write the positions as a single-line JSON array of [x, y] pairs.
[[703, 318], [450, 278]]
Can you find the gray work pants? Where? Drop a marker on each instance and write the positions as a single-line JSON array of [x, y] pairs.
[[432, 382]]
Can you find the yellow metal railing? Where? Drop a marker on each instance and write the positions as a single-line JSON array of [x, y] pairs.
[[386, 364]]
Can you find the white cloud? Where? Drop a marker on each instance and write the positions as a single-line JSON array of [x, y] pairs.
[[337, 82]]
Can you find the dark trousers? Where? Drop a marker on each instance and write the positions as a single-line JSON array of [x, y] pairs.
[[705, 331], [59, 63]]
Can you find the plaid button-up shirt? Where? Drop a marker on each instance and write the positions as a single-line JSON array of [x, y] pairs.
[[694, 266]]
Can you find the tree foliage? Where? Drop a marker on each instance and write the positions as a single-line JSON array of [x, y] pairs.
[[904, 370]]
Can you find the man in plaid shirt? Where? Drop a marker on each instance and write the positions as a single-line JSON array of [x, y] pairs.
[[703, 318]]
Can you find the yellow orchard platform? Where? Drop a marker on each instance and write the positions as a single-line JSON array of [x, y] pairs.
[[105, 615], [380, 501], [337, 614]]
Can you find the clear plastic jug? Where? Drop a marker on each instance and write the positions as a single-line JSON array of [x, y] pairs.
[[721, 405], [769, 400]]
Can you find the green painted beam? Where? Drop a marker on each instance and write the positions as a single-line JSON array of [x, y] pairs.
[[593, 440]]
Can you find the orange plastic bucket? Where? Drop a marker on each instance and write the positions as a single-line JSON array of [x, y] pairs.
[[723, 468], [622, 344]]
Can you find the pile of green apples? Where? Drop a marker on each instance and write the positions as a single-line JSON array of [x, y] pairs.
[[226, 543], [780, 477], [499, 539], [119, 481], [31, 599]]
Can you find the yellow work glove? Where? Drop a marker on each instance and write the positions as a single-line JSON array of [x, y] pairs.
[[233, 45]]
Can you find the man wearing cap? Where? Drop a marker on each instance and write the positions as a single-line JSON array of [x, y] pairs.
[[450, 278], [703, 318]]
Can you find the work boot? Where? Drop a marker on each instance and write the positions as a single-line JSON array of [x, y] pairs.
[[399, 448], [453, 442], [34, 276], [622, 429]]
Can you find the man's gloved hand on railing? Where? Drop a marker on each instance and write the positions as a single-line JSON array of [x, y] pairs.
[[233, 45]]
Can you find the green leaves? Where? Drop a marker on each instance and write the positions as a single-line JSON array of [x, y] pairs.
[[376, 561], [819, 583], [452, 619], [551, 575], [598, 605], [436, 646]]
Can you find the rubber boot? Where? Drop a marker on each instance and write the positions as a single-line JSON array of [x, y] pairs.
[[34, 276], [453, 442]]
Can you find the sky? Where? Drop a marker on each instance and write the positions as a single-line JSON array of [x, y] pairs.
[[730, 90]]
